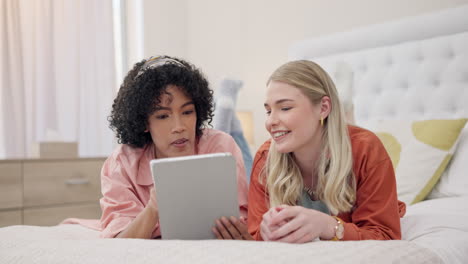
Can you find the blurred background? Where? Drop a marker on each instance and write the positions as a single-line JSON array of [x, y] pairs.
[[62, 61]]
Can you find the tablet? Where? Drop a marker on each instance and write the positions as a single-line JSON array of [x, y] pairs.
[[192, 192]]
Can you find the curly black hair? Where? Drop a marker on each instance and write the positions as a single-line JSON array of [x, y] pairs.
[[140, 94]]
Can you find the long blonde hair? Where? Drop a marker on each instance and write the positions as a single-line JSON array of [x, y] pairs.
[[336, 185]]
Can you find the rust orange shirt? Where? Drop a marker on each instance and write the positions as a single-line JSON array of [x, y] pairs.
[[377, 211]]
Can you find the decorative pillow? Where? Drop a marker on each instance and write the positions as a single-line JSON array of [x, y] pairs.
[[420, 152], [454, 181]]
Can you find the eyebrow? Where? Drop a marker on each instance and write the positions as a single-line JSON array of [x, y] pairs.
[[279, 101], [158, 108]]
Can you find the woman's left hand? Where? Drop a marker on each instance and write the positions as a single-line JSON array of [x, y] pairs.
[[302, 224], [231, 228]]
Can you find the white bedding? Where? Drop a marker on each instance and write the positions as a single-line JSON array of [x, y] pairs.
[[441, 225], [76, 244], [434, 231]]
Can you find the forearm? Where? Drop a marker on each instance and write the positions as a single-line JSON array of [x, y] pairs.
[[142, 226], [376, 215], [353, 232]]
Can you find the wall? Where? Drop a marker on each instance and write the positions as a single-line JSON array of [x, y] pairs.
[[165, 27], [249, 39]]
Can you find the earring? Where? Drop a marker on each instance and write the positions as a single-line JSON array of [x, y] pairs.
[[321, 120]]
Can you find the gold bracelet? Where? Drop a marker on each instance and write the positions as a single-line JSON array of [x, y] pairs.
[[339, 229]]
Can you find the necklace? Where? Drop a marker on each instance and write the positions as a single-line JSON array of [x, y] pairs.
[[310, 192]]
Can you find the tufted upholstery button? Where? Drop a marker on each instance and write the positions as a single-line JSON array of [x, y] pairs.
[[421, 110], [454, 109], [391, 112], [377, 90], [404, 85], [389, 61], [419, 58], [451, 54], [363, 68]]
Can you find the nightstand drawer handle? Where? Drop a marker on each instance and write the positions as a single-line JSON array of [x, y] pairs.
[[77, 181]]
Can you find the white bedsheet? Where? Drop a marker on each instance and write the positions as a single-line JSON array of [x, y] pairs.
[[76, 244], [434, 231], [440, 225]]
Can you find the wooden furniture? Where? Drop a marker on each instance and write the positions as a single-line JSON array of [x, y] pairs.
[[46, 191]]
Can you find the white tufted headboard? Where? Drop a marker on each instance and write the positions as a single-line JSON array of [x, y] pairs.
[[415, 68], [411, 69]]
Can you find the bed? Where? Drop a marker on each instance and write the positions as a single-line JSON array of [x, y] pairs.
[[412, 69]]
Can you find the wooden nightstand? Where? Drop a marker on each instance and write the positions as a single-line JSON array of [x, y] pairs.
[[46, 191]]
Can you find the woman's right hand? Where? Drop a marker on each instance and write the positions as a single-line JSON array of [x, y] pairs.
[[143, 225], [152, 205], [266, 228]]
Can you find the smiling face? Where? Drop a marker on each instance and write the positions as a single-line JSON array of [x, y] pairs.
[[172, 126], [292, 120]]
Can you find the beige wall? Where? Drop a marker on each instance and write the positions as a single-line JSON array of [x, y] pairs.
[[249, 39], [165, 27]]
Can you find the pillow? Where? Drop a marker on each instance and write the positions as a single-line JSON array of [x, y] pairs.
[[420, 152], [454, 181]]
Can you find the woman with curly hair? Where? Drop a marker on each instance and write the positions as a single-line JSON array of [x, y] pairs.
[[162, 110]]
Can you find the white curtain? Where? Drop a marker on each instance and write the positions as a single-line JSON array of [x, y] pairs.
[[57, 75]]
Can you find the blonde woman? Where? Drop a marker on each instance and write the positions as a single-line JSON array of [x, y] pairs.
[[318, 178]]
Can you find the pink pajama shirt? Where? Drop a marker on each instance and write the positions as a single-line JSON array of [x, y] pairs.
[[126, 181]]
